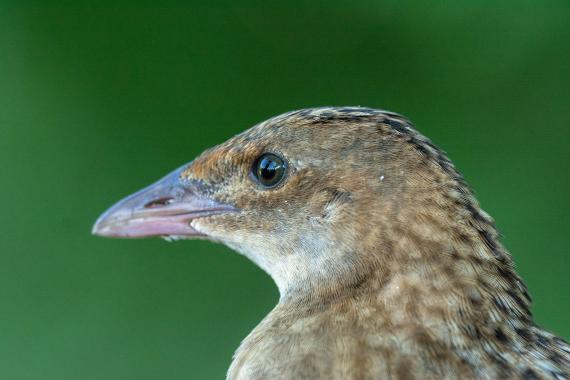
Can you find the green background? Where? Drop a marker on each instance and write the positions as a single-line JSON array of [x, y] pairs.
[[96, 102]]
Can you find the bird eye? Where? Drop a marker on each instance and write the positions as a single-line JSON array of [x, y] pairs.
[[269, 169]]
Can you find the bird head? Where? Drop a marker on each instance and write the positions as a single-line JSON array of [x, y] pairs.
[[318, 198]]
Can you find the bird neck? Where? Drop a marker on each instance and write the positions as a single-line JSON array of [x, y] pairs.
[[435, 268]]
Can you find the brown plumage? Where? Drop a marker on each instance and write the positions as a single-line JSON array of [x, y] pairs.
[[386, 265]]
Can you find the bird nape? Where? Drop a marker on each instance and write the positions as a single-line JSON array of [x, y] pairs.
[[386, 265]]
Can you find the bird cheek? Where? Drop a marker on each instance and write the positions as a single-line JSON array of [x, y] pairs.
[[205, 226], [217, 227]]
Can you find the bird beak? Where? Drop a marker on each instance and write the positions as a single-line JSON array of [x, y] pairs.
[[165, 208]]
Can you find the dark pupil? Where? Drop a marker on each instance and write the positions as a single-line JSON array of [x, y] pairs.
[[268, 169]]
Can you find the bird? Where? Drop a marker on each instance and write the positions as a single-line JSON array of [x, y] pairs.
[[386, 265]]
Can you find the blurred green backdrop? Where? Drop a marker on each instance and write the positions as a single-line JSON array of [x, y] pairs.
[[96, 102]]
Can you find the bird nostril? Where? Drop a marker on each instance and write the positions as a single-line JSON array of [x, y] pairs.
[[160, 202]]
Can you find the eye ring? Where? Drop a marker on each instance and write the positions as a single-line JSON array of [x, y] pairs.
[[269, 170]]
